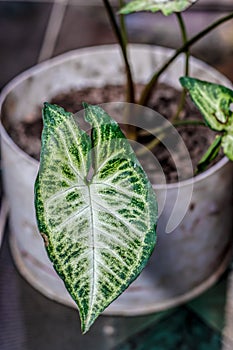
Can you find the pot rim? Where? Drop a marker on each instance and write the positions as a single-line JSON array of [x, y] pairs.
[[86, 50]]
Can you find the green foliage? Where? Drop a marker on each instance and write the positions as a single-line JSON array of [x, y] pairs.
[[96, 209], [167, 7], [215, 102], [210, 154]]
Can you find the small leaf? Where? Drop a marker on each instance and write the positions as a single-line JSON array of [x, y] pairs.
[[213, 100], [166, 6], [95, 208], [215, 103], [210, 154], [227, 144]]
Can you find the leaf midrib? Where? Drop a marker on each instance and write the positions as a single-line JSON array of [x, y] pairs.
[[93, 284]]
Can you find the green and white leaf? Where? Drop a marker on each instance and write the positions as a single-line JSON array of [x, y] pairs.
[[166, 6], [227, 144], [95, 207], [215, 102]]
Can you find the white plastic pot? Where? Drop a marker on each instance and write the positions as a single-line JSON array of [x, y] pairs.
[[185, 262]]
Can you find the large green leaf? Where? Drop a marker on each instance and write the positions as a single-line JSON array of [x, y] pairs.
[[215, 102], [96, 209], [166, 6]]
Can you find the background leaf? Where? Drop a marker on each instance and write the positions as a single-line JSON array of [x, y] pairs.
[[96, 209], [215, 102], [227, 144], [210, 154], [166, 6]]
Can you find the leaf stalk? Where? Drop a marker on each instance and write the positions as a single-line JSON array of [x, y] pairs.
[[146, 93]]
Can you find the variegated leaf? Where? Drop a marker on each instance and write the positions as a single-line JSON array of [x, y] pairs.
[[215, 102], [166, 6], [227, 144], [96, 209]]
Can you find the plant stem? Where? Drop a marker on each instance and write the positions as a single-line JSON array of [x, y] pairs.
[[148, 88], [150, 145], [184, 40], [186, 72], [185, 122], [188, 123], [122, 43], [122, 25], [163, 132]]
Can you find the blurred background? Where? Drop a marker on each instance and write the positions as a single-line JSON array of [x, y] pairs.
[[31, 32]]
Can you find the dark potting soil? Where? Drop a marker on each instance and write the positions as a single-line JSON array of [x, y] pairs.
[[165, 99]]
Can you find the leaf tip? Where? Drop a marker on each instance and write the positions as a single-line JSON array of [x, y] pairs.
[[53, 114], [87, 321], [47, 111], [123, 11], [187, 82], [85, 328], [47, 104], [85, 105], [49, 107]]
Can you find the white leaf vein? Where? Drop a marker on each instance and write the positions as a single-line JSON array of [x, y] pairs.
[[120, 218]]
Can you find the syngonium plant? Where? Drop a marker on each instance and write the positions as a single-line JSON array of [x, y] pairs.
[[96, 209]]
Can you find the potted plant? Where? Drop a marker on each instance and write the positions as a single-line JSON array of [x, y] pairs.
[[177, 254]]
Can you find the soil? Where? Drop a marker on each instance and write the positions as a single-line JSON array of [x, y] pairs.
[[164, 101]]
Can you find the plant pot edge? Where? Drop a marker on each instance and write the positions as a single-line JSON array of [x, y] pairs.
[[73, 53]]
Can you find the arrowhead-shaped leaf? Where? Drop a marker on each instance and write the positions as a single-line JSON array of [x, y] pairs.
[[96, 209], [166, 6], [215, 102]]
